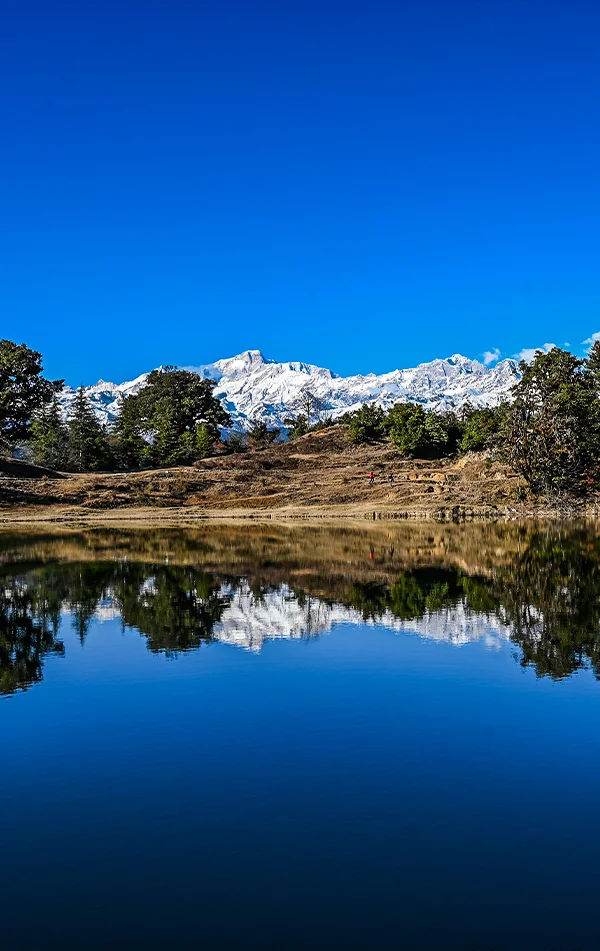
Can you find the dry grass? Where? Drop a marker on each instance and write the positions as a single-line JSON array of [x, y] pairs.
[[319, 475]]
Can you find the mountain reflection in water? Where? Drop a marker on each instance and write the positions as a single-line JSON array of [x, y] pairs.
[[535, 586]]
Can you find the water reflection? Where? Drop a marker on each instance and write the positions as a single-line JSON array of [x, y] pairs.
[[536, 586]]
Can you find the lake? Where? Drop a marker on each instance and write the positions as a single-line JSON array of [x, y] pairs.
[[296, 736]]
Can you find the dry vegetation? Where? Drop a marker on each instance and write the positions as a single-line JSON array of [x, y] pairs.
[[319, 558], [321, 474]]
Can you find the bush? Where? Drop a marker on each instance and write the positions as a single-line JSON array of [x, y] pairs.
[[261, 436], [299, 426], [480, 429], [367, 424]]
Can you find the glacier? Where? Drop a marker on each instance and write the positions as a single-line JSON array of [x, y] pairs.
[[255, 389]]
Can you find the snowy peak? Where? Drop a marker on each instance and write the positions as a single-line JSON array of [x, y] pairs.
[[254, 388], [233, 367]]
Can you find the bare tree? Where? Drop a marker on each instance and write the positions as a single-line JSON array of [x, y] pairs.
[[310, 406]]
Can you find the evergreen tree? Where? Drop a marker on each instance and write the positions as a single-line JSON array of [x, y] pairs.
[[130, 449], [407, 429], [204, 441], [418, 432], [23, 391], [367, 424], [50, 437], [171, 408], [261, 436], [593, 361], [443, 434], [551, 431], [88, 449], [480, 428], [298, 426], [237, 442]]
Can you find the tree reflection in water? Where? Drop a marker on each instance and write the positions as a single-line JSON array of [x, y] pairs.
[[545, 590]]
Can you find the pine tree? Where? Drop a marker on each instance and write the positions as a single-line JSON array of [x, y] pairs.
[[480, 428], [204, 441], [260, 436], [88, 449], [50, 437], [593, 361], [23, 390], [366, 424], [298, 426], [171, 408], [406, 423], [130, 449]]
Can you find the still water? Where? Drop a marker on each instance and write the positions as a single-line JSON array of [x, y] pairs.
[[297, 737]]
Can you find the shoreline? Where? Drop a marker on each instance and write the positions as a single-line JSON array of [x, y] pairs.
[[67, 515], [320, 476]]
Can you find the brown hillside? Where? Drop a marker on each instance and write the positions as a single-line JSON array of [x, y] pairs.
[[318, 475]]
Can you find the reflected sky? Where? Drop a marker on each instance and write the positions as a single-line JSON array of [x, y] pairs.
[[300, 738]]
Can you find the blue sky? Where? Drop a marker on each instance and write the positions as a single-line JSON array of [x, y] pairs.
[[358, 185]]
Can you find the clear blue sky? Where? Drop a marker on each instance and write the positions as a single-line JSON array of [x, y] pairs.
[[359, 185]]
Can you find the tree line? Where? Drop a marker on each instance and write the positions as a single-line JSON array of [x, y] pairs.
[[546, 595], [174, 420], [549, 431]]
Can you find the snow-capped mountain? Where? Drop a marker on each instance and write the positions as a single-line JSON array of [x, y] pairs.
[[253, 388], [249, 621]]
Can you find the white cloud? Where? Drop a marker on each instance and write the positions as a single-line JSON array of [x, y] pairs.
[[528, 354], [490, 356], [589, 341]]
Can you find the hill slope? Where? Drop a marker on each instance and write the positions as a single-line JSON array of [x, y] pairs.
[[320, 474]]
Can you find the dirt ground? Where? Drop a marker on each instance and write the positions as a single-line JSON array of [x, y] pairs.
[[319, 475]]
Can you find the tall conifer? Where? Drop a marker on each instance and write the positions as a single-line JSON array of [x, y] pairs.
[[88, 445], [130, 449], [50, 437]]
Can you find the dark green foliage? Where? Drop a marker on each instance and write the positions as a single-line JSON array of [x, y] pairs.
[[23, 391], [299, 426], [88, 448], [367, 424], [171, 409], [480, 428], [545, 591], [444, 433], [204, 441], [176, 612], [411, 596], [260, 436], [130, 449], [423, 434], [406, 426], [593, 361], [29, 621], [551, 431], [50, 437]]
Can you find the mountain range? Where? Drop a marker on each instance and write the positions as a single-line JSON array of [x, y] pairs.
[[249, 620], [253, 388]]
